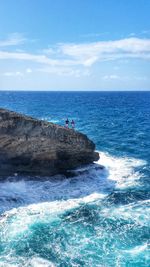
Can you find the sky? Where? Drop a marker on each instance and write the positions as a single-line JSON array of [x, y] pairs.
[[75, 45]]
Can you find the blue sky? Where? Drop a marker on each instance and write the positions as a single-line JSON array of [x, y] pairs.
[[74, 45]]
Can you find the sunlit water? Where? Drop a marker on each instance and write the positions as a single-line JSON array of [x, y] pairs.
[[98, 218]]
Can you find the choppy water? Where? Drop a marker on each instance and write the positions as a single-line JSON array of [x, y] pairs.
[[100, 217]]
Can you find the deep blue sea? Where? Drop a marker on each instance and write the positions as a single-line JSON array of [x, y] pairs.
[[100, 217]]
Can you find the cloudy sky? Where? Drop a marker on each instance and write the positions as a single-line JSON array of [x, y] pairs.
[[74, 45]]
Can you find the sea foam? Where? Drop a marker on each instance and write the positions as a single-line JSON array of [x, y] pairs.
[[27, 203]]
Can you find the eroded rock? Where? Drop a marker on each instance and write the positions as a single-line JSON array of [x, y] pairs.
[[35, 147]]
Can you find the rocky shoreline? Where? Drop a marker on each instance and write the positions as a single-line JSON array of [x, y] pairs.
[[29, 146]]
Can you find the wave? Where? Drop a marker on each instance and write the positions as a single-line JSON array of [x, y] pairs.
[[138, 249], [33, 262], [72, 218], [91, 183], [122, 170]]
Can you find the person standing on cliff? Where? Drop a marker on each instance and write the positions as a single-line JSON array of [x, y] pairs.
[[73, 124], [67, 123]]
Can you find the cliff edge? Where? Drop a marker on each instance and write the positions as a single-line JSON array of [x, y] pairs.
[[34, 147]]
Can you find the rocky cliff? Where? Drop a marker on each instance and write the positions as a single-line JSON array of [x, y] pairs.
[[35, 147]]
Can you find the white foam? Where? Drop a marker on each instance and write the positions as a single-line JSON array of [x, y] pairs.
[[118, 173], [134, 212], [137, 250], [33, 262], [14, 194], [122, 170], [6, 264], [45, 200], [39, 262], [22, 217]]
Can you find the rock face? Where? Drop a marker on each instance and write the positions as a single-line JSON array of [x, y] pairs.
[[33, 147]]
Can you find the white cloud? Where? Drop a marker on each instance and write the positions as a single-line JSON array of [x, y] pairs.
[[108, 50], [76, 59], [65, 71], [16, 73], [38, 58], [124, 78], [87, 54], [13, 40], [111, 77], [28, 70]]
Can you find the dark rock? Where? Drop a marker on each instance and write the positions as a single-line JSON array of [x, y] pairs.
[[35, 147]]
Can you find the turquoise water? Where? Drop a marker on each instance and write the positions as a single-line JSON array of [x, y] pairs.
[[100, 217]]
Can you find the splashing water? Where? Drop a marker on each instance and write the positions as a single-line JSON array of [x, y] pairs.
[[74, 222]]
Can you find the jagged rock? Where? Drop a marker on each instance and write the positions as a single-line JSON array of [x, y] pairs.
[[35, 147]]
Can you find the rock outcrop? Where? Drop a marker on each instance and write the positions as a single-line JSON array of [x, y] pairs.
[[34, 147]]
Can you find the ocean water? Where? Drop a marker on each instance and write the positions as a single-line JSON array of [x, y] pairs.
[[99, 217]]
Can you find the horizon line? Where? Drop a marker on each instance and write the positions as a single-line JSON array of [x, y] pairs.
[[32, 90]]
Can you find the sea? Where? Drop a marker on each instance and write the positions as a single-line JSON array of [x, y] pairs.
[[100, 217]]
